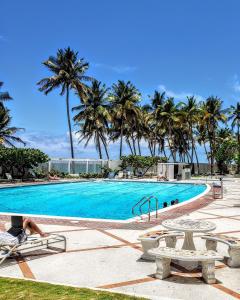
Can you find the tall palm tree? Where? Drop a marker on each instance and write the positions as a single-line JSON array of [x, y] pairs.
[[235, 117], [7, 132], [191, 117], [68, 73], [156, 100], [124, 98], [211, 114], [168, 116], [93, 117], [4, 95]]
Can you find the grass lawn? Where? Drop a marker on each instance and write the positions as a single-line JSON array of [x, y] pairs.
[[16, 289]]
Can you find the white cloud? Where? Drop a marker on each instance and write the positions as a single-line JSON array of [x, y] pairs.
[[178, 95], [118, 68], [236, 83], [57, 146]]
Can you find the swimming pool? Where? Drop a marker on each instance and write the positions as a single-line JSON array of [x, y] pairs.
[[98, 199]]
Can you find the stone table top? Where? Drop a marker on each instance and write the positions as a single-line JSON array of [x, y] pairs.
[[189, 225]]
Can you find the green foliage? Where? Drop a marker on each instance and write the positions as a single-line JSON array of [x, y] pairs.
[[105, 171], [17, 289], [57, 173], [226, 153], [21, 159], [140, 163], [90, 175]]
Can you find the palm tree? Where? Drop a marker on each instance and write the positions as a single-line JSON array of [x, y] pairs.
[[191, 117], [235, 117], [7, 132], [4, 95], [157, 100], [93, 117], [168, 116], [124, 98], [211, 114], [68, 73]]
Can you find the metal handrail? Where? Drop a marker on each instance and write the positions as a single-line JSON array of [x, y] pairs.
[[144, 197], [142, 202]]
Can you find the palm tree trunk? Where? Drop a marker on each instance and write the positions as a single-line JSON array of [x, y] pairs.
[[129, 145], [139, 148], [198, 166], [164, 152], [134, 145], [150, 148], [69, 123], [99, 146], [121, 140], [238, 137], [103, 139]]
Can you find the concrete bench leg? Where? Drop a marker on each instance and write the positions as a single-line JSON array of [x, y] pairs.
[[234, 259], [208, 271], [171, 241], [211, 245], [163, 268], [147, 245]]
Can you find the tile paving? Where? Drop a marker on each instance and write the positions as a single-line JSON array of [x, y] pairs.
[[106, 254]]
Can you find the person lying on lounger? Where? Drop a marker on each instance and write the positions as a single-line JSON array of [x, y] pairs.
[[54, 177], [19, 235], [161, 178]]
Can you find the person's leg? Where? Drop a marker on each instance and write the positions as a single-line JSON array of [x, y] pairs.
[[32, 226]]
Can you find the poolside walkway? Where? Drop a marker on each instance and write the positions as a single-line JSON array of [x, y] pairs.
[[106, 255]]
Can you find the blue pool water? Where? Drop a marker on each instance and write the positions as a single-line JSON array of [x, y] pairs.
[[102, 199]]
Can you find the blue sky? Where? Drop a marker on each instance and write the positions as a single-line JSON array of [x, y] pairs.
[[183, 47]]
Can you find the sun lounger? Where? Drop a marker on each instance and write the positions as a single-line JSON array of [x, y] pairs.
[[33, 241], [10, 178]]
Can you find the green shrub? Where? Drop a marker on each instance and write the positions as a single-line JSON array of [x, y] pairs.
[[90, 175], [140, 163], [20, 160]]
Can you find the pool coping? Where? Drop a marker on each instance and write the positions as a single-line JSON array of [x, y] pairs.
[[127, 221]]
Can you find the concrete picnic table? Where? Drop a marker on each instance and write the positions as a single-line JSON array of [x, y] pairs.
[[188, 226]]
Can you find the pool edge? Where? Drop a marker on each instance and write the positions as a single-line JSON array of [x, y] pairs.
[[138, 219]]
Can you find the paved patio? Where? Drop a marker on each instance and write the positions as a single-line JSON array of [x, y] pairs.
[[106, 255]]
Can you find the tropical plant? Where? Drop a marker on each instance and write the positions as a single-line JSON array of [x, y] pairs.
[[68, 73], [4, 96], [191, 118], [225, 154], [21, 160], [7, 132], [140, 163], [211, 114], [124, 98], [235, 118], [168, 117], [93, 117]]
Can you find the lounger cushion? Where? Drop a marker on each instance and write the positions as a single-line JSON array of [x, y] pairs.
[[7, 239]]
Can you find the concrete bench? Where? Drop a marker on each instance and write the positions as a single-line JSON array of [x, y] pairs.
[[164, 255], [152, 239], [233, 244]]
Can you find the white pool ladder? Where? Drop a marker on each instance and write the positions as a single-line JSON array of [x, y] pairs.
[[143, 201]]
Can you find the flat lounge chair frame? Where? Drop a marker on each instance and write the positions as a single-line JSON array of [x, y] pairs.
[[33, 242]]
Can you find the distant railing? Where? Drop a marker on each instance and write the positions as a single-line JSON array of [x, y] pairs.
[[75, 166]]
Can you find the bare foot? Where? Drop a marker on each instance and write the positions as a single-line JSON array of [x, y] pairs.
[[44, 234]]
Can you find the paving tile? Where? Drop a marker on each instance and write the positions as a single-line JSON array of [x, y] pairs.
[[93, 268], [177, 287]]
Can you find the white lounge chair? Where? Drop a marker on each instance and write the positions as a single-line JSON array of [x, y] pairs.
[[10, 178], [33, 241]]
